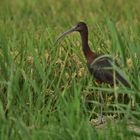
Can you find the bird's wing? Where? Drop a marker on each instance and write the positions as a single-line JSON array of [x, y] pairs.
[[102, 69]]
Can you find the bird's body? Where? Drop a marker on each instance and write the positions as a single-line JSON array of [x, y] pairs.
[[100, 66]]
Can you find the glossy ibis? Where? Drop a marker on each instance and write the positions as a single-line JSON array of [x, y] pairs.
[[100, 66]]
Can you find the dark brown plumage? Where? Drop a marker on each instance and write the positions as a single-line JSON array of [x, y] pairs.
[[100, 66]]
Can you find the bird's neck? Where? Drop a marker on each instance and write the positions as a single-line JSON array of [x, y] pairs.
[[89, 55]]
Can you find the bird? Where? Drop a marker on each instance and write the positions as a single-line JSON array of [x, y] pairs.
[[100, 66]]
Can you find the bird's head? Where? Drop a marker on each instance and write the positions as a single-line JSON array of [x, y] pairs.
[[80, 27]]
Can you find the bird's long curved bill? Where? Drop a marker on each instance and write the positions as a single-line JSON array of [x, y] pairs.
[[65, 33]]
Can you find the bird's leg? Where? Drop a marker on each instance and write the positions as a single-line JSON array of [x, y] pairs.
[[101, 101]]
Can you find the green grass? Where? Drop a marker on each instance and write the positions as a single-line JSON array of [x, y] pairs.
[[46, 91]]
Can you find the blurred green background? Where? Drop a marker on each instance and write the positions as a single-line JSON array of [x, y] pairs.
[[46, 91]]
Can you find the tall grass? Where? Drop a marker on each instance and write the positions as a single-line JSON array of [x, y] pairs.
[[46, 91]]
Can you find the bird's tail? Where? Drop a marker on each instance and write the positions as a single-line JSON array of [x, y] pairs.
[[122, 80]]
